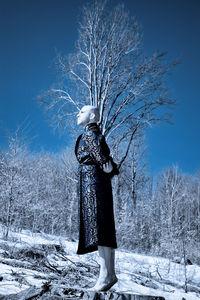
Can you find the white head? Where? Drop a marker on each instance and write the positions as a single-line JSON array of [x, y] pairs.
[[88, 114]]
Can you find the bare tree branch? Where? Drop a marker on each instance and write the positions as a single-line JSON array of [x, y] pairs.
[[108, 70]]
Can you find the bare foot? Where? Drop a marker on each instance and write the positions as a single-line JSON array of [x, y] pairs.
[[104, 285]]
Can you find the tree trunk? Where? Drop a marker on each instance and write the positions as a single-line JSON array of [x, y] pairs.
[[133, 187], [8, 218]]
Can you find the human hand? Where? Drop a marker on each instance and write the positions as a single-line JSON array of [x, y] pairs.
[[107, 167]]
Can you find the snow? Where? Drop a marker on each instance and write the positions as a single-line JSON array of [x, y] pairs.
[[9, 287], [137, 274], [131, 263]]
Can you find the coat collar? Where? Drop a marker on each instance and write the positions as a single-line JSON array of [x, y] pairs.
[[91, 126]]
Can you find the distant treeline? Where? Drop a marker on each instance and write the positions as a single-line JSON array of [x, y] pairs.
[[153, 215]]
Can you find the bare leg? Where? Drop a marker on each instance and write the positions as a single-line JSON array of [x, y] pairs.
[[107, 274]]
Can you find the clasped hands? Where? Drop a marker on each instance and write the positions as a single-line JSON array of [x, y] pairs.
[[107, 167]]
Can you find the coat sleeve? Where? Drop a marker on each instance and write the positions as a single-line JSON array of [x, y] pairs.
[[97, 147], [99, 151]]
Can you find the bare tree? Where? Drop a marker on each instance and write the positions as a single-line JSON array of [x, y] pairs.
[[15, 185], [69, 171], [109, 70]]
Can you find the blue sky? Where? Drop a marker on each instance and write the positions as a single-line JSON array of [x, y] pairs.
[[32, 30]]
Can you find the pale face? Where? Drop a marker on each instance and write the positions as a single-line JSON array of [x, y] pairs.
[[84, 116]]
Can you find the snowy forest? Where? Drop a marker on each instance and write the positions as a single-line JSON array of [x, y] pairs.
[[38, 191], [154, 215]]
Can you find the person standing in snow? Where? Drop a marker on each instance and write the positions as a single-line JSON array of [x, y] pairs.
[[96, 217]]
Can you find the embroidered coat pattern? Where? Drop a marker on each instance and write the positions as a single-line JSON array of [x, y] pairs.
[[96, 217]]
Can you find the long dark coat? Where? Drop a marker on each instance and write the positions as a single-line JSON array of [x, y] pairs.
[[96, 217]]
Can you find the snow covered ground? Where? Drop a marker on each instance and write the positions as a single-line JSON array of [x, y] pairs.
[[137, 274]]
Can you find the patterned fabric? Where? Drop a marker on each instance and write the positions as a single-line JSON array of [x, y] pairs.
[[96, 218]]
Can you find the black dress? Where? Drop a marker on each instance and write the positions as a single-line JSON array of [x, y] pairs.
[[96, 217]]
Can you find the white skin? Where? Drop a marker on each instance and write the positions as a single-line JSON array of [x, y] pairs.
[[106, 254], [86, 116]]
